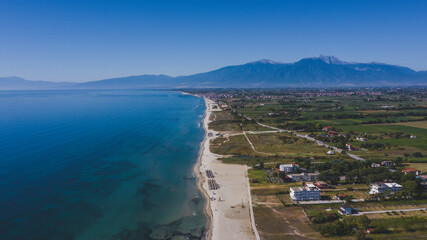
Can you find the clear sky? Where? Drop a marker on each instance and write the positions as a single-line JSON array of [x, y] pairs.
[[90, 40]]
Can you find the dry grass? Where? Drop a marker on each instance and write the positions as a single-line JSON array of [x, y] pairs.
[[272, 143], [236, 145], [420, 166], [397, 214], [283, 223], [418, 124], [379, 207]]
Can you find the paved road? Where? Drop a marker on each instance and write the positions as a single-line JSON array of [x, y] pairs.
[[385, 211], [320, 202], [318, 142], [250, 206]]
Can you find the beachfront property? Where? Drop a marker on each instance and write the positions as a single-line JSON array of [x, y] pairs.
[[309, 192], [345, 209], [411, 171], [306, 177], [288, 167], [380, 187]]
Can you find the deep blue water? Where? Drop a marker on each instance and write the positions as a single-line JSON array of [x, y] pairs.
[[99, 165]]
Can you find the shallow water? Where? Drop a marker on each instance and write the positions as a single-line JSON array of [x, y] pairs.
[[99, 165]]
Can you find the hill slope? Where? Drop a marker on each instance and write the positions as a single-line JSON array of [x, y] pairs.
[[323, 71], [17, 83]]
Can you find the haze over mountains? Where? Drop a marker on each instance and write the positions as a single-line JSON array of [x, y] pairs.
[[323, 71]]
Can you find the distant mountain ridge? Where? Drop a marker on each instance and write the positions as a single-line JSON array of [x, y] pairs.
[[322, 71]]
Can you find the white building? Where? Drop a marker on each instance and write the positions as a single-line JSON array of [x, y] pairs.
[[375, 165], [306, 177], [379, 187], [387, 163], [307, 193], [288, 167]]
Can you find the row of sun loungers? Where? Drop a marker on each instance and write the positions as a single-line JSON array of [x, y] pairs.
[[210, 174], [212, 184]]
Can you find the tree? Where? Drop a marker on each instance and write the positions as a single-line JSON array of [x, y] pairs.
[[380, 229], [360, 235], [410, 189], [363, 222], [417, 154], [331, 177], [348, 198]]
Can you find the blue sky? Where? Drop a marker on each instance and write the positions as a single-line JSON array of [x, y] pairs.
[[91, 40]]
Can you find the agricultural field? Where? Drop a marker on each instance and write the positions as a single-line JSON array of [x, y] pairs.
[[285, 144], [375, 125], [417, 124]]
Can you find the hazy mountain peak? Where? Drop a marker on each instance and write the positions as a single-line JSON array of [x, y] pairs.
[[331, 60], [267, 61], [322, 71]]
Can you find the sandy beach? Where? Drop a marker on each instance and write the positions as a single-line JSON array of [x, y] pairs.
[[228, 206]]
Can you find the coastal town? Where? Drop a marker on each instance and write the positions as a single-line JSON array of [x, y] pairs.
[[341, 164]]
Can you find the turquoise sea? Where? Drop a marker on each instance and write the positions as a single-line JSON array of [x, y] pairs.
[[100, 165]]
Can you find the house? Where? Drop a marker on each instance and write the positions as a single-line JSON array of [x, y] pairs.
[[370, 230], [330, 152], [411, 171], [321, 185], [375, 165], [413, 136], [380, 187], [361, 139], [327, 128], [341, 196], [332, 133], [422, 177], [345, 209], [423, 180], [387, 163], [349, 146], [306, 177], [288, 167], [307, 193]]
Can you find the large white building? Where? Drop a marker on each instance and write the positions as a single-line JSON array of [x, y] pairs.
[[379, 187], [288, 167], [307, 193]]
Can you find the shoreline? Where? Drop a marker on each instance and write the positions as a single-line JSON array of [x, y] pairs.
[[226, 208], [200, 179]]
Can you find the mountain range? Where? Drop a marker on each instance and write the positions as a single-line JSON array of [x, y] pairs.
[[323, 71]]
